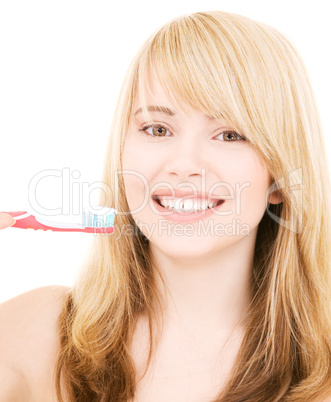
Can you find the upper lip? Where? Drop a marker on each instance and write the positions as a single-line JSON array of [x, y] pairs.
[[174, 193]]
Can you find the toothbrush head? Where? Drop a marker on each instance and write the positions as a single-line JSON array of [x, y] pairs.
[[102, 221]]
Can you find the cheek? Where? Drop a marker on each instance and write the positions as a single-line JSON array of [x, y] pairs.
[[249, 181], [253, 199], [136, 175], [138, 158]]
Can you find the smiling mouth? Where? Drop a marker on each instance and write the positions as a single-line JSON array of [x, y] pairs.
[[192, 210]]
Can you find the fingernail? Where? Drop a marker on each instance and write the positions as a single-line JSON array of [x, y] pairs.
[[12, 222]]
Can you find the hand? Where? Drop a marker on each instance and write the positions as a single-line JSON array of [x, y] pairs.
[[6, 220]]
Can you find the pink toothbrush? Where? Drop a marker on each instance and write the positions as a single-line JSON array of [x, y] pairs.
[[91, 223]]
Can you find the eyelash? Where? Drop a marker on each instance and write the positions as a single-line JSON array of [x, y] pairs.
[[155, 137]]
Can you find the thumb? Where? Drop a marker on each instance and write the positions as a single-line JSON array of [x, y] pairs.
[[6, 220]]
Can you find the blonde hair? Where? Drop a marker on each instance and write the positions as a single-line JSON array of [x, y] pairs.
[[250, 75]]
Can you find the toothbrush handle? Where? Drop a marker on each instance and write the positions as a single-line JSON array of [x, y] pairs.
[[30, 222]]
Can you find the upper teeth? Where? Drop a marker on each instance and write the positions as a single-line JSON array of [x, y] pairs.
[[187, 204]]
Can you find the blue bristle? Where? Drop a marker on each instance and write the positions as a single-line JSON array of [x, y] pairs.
[[94, 220], [110, 220]]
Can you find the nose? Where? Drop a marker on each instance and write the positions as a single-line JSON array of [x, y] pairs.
[[186, 157]]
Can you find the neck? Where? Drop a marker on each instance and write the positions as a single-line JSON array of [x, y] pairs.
[[206, 294]]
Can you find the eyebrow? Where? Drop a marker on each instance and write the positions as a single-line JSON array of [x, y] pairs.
[[163, 109]]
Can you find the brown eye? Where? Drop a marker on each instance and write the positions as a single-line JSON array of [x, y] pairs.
[[159, 131], [155, 131], [231, 136]]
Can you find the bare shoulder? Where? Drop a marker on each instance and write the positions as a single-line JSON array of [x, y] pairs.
[[29, 340], [29, 319]]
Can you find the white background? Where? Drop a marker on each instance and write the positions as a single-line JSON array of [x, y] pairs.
[[61, 67]]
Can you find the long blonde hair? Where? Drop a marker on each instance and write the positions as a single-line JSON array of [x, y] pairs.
[[250, 75]]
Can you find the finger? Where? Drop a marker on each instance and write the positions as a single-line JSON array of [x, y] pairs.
[[6, 221]]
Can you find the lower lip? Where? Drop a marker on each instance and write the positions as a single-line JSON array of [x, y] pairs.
[[186, 216]]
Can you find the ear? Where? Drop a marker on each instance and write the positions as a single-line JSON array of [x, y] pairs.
[[275, 197], [274, 194]]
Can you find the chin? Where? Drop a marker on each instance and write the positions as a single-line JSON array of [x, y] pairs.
[[190, 246]]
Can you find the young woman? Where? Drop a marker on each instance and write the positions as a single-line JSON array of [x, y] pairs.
[[216, 283]]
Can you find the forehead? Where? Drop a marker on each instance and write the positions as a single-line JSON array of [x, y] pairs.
[[156, 100], [152, 96], [166, 111]]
